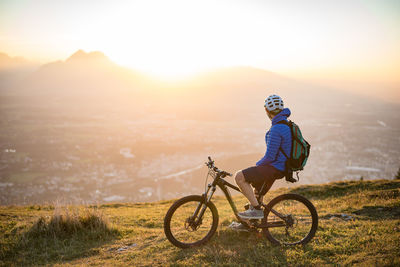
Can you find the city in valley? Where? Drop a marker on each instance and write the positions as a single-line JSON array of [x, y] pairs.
[[115, 136]]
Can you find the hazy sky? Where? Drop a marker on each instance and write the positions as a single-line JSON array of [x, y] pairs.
[[341, 39]]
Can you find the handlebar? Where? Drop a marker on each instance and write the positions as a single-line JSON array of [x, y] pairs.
[[210, 165]]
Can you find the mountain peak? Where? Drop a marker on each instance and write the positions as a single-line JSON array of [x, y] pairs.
[[81, 55], [8, 63]]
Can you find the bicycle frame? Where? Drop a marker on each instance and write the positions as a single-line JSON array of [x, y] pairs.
[[223, 185], [293, 210]]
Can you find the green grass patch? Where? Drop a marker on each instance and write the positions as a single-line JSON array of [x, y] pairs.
[[121, 234]]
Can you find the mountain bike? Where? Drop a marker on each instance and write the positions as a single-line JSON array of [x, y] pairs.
[[289, 219]]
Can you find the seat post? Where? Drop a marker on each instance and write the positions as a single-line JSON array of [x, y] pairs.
[[259, 196]]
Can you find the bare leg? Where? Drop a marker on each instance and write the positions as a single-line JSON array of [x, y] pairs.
[[246, 188]]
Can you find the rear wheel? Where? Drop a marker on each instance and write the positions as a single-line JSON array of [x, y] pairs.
[[291, 219], [182, 225]]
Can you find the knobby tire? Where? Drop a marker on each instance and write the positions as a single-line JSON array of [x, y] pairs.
[[268, 232], [178, 204]]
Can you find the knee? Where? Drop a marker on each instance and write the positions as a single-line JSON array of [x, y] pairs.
[[239, 177]]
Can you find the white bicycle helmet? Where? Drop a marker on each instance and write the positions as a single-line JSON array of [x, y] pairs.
[[273, 102]]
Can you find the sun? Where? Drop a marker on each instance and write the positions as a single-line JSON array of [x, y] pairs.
[[168, 39], [172, 66]]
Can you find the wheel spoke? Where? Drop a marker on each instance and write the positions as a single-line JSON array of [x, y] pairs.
[[295, 216], [183, 228]]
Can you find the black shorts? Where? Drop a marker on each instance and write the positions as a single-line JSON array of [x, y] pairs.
[[258, 175]]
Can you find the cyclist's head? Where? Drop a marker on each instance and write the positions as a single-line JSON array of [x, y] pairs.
[[273, 105]]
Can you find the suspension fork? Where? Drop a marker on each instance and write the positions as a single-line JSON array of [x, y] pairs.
[[202, 206]]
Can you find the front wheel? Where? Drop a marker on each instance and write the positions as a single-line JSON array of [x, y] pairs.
[[190, 222], [290, 219]]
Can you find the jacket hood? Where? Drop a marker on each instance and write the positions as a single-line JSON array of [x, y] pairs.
[[283, 115]]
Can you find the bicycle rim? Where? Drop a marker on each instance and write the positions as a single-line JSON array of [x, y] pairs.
[[298, 224], [184, 232]]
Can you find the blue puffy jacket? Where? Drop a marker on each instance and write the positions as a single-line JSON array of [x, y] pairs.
[[279, 135]]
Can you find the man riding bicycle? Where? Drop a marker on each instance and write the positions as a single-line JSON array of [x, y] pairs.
[[270, 167]]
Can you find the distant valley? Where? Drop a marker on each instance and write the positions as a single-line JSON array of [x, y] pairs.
[[85, 130]]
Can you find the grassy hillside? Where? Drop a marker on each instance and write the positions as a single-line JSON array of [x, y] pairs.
[[132, 234]]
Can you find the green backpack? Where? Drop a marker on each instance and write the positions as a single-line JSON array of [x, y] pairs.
[[299, 152]]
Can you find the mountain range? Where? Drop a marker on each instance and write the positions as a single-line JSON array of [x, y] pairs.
[[92, 77]]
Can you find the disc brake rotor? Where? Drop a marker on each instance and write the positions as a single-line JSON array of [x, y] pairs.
[[190, 225]]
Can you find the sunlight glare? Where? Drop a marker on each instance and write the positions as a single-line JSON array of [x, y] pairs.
[[166, 41]]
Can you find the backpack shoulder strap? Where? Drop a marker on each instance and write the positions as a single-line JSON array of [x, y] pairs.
[[284, 122], [288, 124]]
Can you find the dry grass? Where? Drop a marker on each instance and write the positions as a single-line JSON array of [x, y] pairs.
[[62, 234], [41, 235], [70, 221]]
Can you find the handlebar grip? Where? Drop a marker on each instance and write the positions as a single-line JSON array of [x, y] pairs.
[[227, 174], [209, 158]]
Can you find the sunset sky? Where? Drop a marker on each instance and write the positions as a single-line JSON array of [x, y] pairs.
[[349, 40]]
